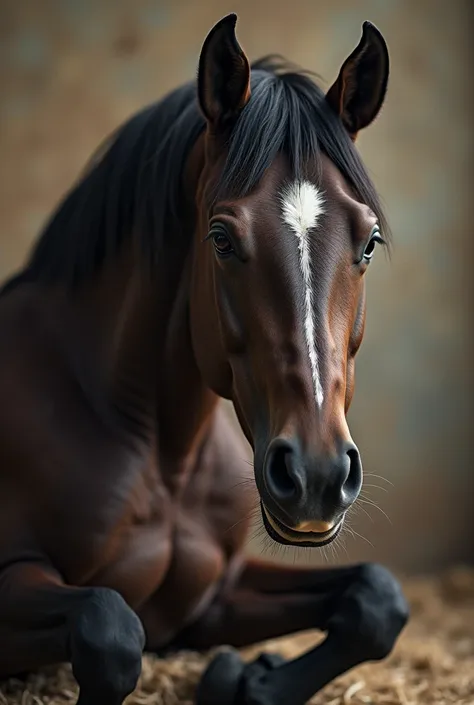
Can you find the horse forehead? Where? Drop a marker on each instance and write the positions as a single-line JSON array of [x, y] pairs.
[[330, 194], [331, 185]]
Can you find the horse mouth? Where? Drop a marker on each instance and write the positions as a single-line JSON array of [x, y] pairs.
[[281, 533]]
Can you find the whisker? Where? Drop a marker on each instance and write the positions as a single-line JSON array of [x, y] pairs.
[[248, 483], [333, 547], [259, 533], [248, 517], [358, 506], [325, 555], [356, 533], [379, 477], [377, 487], [376, 506], [342, 542]]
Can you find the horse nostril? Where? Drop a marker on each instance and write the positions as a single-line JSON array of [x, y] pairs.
[[353, 482], [280, 477]]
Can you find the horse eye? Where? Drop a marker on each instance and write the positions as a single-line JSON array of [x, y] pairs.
[[221, 241], [370, 247]]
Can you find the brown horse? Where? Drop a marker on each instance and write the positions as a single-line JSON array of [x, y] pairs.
[[216, 248]]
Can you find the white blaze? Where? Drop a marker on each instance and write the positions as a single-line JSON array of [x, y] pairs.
[[302, 205]]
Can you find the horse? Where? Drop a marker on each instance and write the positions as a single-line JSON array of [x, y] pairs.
[[215, 247]]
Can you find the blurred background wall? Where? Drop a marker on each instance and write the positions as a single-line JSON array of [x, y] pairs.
[[71, 70]]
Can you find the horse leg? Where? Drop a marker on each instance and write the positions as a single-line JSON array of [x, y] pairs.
[[44, 621], [361, 608]]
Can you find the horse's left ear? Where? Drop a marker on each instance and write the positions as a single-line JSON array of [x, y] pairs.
[[359, 91], [223, 76]]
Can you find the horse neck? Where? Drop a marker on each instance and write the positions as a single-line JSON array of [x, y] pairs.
[[140, 340]]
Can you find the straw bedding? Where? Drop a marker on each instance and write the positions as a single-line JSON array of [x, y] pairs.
[[433, 663]]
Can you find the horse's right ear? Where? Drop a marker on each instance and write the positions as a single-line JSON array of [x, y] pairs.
[[223, 76]]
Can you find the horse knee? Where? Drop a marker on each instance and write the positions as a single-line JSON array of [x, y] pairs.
[[373, 613], [106, 645]]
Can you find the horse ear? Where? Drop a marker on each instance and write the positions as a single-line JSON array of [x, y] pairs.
[[223, 75], [359, 91]]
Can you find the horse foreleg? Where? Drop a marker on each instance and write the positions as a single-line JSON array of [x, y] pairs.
[[361, 608], [44, 621]]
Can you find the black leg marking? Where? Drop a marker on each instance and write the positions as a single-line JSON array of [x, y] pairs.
[[44, 621], [362, 617], [106, 645]]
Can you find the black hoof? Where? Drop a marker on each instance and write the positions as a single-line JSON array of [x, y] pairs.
[[253, 686], [221, 679], [229, 681]]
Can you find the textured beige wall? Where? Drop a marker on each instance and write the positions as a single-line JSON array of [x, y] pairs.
[[71, 70]]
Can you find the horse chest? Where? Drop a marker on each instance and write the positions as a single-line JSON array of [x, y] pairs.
[[197, 566], [172, 565]]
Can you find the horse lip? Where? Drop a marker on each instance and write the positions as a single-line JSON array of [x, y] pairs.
[[283, 534], [315, 527]]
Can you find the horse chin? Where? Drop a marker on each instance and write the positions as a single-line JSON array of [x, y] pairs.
[[289, 537]]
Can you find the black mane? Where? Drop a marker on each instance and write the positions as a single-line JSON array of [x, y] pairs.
[[133, 186]]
